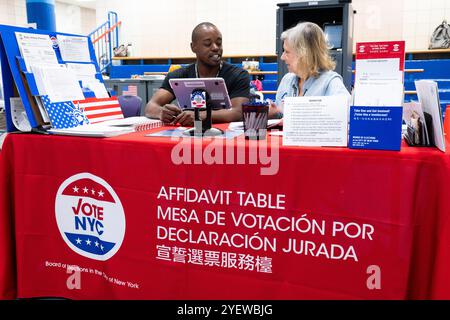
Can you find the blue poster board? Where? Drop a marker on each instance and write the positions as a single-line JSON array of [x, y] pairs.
[[14, 73]]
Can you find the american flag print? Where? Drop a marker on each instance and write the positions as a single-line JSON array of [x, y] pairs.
[[65, 114], [71, 114], [98, 110], [130, 91]]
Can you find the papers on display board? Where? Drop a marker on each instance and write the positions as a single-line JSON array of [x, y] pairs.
[[36, 49], [74, 48]]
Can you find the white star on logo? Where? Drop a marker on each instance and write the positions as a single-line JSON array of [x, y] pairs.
[[88, 242], [101, 193], [78, 240], [101, 247], [85, 190], [93, 191], [75, 189], [96, 243]]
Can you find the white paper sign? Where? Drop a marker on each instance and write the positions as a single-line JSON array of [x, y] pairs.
[[36, 49], [378, 82], [315, 121], [74, 48]]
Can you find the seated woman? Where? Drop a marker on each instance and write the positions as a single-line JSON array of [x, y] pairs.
[[310, 67]]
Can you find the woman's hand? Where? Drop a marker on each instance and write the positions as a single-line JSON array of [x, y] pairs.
[[274, 111]]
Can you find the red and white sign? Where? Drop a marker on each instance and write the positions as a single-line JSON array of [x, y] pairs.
[[381, 50], [379, 73], [90, 216]]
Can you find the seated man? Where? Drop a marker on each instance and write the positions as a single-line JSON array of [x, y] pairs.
[[207, 46]]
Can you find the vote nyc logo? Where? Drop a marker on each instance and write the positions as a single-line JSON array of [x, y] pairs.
[[90, 216]]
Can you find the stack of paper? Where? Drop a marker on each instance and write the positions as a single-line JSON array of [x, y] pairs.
[[427, 92], [136, 123], [93, 130], [111, 128], [58, 82]]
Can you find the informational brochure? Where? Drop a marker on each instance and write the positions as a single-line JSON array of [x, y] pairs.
[[315, 121], [416, 125], [427, 92], [74, 48], [36, 49], [376, 112]]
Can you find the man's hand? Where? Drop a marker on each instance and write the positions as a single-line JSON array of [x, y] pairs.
[[185, 118], [169, 113]]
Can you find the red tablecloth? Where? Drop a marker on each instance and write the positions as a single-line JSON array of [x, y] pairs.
[[7, 265], [398, 200]]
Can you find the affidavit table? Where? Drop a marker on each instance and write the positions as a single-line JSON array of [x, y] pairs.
[[135, 217]]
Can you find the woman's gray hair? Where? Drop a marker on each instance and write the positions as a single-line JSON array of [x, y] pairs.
[[308, 42]]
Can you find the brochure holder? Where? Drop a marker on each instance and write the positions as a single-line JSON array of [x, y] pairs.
[[376, 113], [16, 75]]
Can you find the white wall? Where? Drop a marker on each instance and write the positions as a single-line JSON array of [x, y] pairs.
[[411, 20], [163, 28], [74, 19], [69, 18], [13, 12]]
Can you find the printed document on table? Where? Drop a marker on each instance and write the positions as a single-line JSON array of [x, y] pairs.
[[92, 130], [427, 92], [315, 121], [36, 49], [74, 48]]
